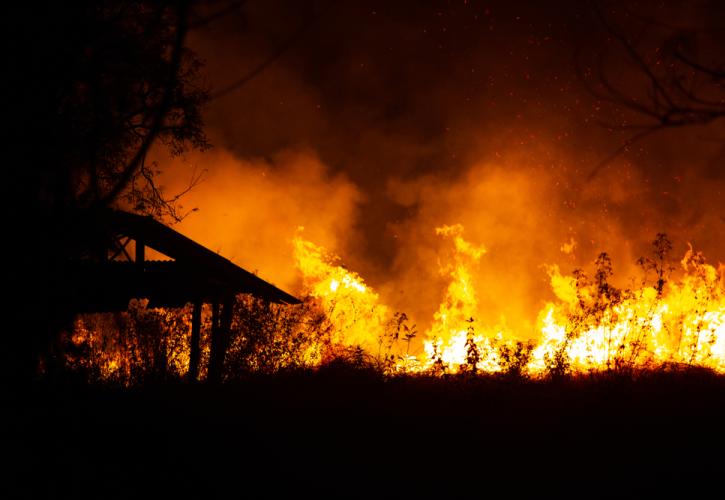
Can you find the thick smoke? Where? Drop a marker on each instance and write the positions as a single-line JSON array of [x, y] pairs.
[[250, 210], [382, 121]]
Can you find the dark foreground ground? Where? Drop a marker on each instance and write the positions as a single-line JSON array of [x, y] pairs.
[[344, 434]]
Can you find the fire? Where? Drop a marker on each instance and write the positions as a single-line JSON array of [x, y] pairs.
[[351, 306], [677, 317], [452, 338], [645, 328], [452, 342], [591, 327], [140, 342]]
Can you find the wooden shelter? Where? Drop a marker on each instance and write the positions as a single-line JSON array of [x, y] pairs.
[[116, 270]]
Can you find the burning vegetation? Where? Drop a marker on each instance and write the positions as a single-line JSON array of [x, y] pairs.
[[476, 181], [673, 317]]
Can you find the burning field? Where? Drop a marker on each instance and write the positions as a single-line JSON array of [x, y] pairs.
[[524, 248], [366, 249], [672, 316], [539, 195]]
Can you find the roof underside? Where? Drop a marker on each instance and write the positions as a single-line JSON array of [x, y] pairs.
[[195, 274]]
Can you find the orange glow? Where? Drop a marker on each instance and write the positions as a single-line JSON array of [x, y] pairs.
[[686, 325], [590, 327], [677, 318], [351, 306]]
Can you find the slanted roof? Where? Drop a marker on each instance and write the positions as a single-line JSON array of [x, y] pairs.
[[196, 273], [184, 250]]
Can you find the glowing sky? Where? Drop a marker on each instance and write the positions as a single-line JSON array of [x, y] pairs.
[[383, 120]]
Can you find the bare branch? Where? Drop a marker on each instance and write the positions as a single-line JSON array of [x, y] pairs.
[[132, 167], [712, 72], [286, 44], [233, 6], [149, 198], [624, 147], [635, 56], [673, 96]]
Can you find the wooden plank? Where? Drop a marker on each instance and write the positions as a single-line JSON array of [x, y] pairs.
[[195, 347]]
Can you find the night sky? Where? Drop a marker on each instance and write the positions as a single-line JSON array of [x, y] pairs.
[[380, 121]]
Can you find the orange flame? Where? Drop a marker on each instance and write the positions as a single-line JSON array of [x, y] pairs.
[[590, 327], [351, 306]]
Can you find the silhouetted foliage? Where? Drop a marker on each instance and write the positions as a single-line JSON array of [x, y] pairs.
[[514, 357], [98, 83], [473, 356], [438, 367], [391, 354], [268, 337], [133, 347], [94, 86], [661, 247], [604, 329]]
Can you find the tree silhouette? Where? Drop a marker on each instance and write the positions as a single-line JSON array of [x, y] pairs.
[[677, 75], [97, 84], [658, 263], [93, 85]]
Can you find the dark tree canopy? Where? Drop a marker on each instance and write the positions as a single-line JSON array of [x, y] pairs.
[[93, 85]]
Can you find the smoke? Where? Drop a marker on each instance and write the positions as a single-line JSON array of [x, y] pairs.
[[530, 214], [387, 120], [250, 210], [523, 216]]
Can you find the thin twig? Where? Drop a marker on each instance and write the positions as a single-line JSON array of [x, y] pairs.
[[264, 64], [629, 142]]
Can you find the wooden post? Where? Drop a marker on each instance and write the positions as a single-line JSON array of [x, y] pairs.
[[213, 373], [221, 325], [195, 348]]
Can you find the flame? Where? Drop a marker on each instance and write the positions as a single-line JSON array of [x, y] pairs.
[[452, 339], [569, 247], [351, 306], [590, 326], [684, 324], [114, 347]]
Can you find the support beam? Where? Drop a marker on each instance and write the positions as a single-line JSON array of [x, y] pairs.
[[120, 248], [213, 373], [195, 347], [221, 324]]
